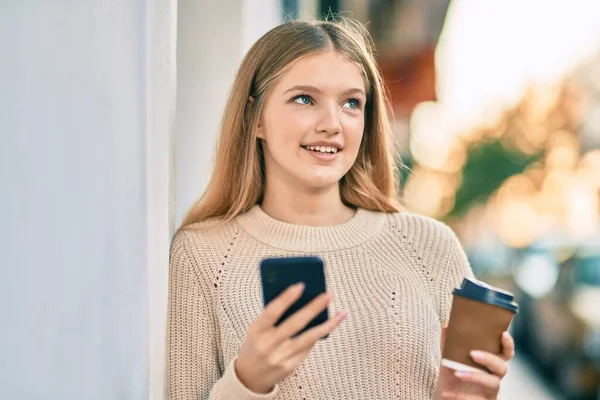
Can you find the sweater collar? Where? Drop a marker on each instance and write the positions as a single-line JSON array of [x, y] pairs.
[[305, 239]]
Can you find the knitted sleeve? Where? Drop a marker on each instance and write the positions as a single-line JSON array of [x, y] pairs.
[[452, 274], [192, 347], [440, 256]]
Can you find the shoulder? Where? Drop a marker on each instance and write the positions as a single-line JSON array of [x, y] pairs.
[[419, 228], [433, 243], [209, 232], [194, 247], [435, 247]]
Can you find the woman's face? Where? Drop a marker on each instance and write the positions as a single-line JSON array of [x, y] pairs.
[[313, 121]]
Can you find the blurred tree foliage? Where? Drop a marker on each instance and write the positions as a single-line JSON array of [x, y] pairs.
[[488, 165], [522, 136]]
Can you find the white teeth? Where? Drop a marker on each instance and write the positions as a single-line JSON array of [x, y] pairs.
[[322, 149]]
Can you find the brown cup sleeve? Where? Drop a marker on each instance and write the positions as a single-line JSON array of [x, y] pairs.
[[474, 325]]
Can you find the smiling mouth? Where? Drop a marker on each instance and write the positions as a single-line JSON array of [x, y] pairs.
[[322, 149]]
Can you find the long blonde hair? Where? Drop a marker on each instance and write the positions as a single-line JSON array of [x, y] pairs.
[[238, 179]]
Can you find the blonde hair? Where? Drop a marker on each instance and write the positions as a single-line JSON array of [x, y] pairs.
[[238, 179]]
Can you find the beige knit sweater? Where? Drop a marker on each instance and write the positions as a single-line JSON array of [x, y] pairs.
[[392, 273]]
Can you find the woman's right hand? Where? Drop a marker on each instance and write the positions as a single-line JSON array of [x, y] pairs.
[[269, 353]]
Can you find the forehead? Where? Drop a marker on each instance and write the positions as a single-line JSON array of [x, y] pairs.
[[326, 71]]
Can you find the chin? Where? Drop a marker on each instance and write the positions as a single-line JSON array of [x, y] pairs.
[[321, 182]]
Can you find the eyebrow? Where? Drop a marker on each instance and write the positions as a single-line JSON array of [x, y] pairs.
[[308, 88]]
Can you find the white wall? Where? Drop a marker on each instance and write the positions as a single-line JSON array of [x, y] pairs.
[[83, 188], [161, 89], [212, 38], [87, 170]]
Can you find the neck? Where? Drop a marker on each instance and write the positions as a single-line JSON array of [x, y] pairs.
[[312, 207]]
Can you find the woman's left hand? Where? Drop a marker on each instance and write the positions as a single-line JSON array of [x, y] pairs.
[[479, 385]]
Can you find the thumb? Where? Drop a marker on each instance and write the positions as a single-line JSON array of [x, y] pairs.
[[443, 337]]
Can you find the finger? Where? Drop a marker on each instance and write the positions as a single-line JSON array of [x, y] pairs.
[[302, 317], [443, 337], [290, 348], [310, 337], [495, 364], [508, 346], [283, 353], [277, 307], [294, 359], [460, 396], [483, 379]]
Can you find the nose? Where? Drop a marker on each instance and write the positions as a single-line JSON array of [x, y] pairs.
[[329, 121]]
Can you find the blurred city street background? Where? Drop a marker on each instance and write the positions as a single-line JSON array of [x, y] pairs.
[[497, 120], [524, 383]]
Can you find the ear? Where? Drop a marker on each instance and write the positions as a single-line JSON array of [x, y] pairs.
[[259, 131], [260, 134]]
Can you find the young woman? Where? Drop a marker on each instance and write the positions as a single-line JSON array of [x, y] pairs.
[[304, 166]]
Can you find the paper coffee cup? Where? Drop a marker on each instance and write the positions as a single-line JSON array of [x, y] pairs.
[[479, 315]]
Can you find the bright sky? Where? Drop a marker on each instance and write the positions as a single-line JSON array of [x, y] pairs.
[[490, 49]]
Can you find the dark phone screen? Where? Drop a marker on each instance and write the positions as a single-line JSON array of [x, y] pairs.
[[277, 274]]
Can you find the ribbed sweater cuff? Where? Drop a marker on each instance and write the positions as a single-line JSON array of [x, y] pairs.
[[230, 387]]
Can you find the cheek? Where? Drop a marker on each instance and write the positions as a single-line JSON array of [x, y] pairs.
[[285, 129], [282, 138], [353, 134]]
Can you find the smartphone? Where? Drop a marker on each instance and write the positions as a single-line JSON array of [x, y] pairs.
[[277, 274]]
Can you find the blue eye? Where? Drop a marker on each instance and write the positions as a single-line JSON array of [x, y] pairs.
[[303, 99], [353, 104]]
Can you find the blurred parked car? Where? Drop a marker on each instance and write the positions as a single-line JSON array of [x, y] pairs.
[[558, 289]]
